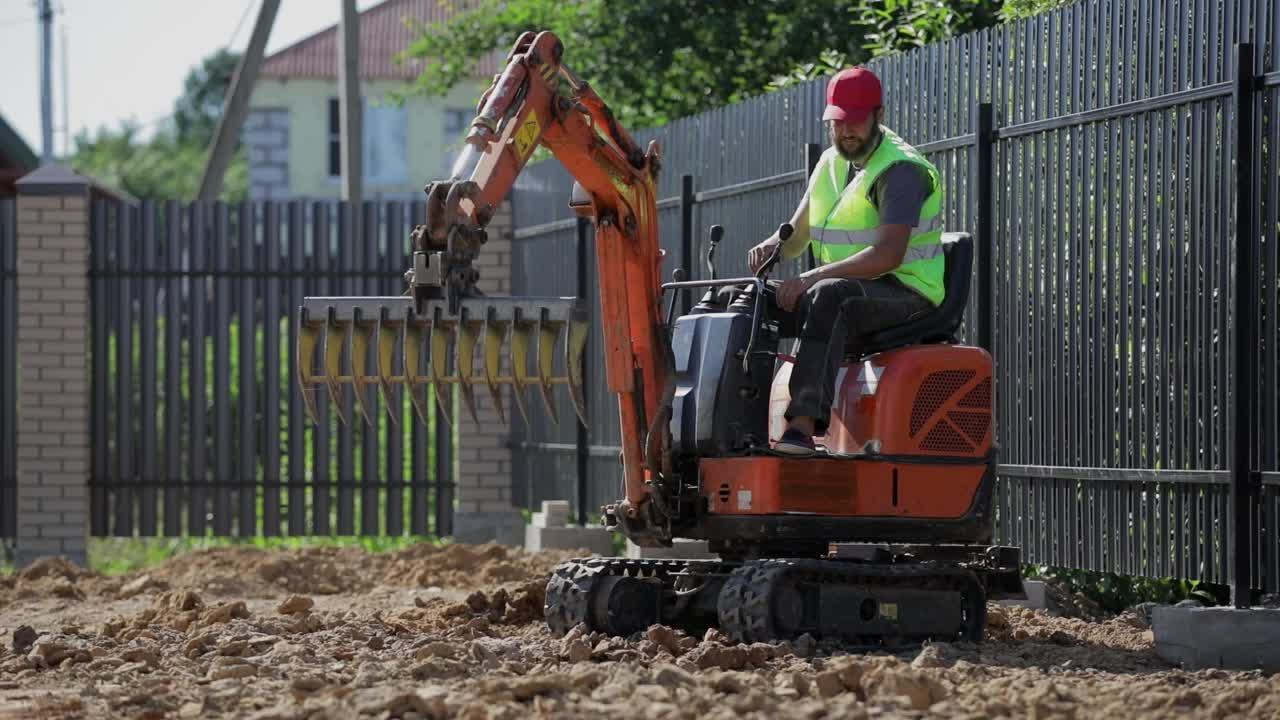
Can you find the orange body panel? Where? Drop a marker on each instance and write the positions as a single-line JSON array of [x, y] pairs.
[[839, 487], [917, 400], [914, 402]]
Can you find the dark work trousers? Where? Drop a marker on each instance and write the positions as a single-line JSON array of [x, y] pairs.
[[831, 319]]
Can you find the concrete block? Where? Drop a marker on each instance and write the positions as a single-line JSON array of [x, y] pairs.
[[555, 514], [680, 549], [1037, 597], [506, 527], [1218, 637], [592, 537]]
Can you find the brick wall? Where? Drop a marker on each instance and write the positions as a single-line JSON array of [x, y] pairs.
[[484, 509], [52, 352]]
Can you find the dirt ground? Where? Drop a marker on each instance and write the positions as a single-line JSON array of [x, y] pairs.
[[456, 631]]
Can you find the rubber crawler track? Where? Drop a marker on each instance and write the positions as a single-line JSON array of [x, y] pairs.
[[746, 601]]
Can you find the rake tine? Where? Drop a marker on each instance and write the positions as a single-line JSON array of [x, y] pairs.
[[333, 365], [548, 333], [307, 337], [575, 348], [386, 349], [439, 363], [493, 359], [413, 361], [464, 361], [358, 335], [519, 350]]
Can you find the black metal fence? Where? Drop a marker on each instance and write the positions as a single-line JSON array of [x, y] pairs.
[[8, 369], [1118, 163], [198, 423]]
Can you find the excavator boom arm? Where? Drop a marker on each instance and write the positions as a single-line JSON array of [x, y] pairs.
[[535, 101]]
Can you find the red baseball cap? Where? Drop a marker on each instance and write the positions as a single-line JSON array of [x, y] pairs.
[[852, 95]]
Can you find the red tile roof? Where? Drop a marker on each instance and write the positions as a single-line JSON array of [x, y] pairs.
[[383, 34]]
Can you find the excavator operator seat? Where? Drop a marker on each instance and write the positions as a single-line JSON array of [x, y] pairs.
[[940, 324]]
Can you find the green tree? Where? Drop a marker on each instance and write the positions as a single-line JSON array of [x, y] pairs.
[[168, 165], [196, 112], [662, 59], [159, 168], [1014, 9]]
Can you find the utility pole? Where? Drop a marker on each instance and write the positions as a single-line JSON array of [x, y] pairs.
[[237, 104], [46, 82], [349, 106], [66, 96]]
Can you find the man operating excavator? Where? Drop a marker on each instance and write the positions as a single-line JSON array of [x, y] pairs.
[[873, 209]]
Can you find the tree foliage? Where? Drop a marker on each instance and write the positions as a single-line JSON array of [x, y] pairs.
[[659, 60], [196, 112], [168, 165]]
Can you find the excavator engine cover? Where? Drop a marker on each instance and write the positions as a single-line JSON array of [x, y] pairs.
[[718, 408]]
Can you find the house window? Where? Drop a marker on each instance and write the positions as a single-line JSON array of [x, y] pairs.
[[456, 121], [335, 139], [384, 144]]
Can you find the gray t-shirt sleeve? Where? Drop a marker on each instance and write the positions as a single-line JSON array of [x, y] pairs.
[[900, 192]]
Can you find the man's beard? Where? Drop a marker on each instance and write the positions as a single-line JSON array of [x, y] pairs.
[[861, 151]]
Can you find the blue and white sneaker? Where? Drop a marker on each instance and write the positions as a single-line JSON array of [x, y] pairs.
[[794, 442]]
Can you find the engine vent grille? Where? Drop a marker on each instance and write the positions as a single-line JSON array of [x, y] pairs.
[[724, 493], [973, 424], [936, 389], [979, 397], [943, 438]]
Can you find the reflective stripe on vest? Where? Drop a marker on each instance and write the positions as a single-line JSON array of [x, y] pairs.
[[843, 221]]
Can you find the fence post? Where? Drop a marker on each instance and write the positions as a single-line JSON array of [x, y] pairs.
[[686, 236], [812, 154], [583, 450], [484, 491], [1246, 341], [52, 349], [984, 139]]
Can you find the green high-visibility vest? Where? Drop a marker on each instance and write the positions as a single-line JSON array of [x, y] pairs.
[[843, 221]]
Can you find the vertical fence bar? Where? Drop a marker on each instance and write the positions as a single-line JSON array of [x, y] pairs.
[[298, 426], [395, 429], [582, 455], [147, 379], [99, 331], [347, 226], [321, 495], [198, 472], [124, 377], [1246, 342], [174, 492], [686, 239], [271, 371], [444, 473], [246, 316], [370, 478], [222, 371], [984, 148], [812, 155]]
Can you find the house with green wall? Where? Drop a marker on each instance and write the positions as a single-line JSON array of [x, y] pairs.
[[291, 132]]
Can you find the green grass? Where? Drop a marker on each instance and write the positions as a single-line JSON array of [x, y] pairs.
[[116, 556]]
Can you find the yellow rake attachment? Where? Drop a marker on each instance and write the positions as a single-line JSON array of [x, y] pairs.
[[397, 340]]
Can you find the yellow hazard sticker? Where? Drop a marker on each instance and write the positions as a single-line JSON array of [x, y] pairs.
[[889, 611], [527, 136]]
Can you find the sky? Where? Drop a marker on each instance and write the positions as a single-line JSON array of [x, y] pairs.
[[126, 59]]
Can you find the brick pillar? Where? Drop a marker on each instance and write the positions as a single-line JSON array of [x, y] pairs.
[[484, 510], [52, 352]]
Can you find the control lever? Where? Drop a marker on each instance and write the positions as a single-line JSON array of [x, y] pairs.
[[785, 231], [717, 234]]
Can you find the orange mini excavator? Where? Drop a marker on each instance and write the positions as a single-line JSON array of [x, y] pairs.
[[884, 538]]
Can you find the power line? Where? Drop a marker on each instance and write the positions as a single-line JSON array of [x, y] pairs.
[[243, 14]]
